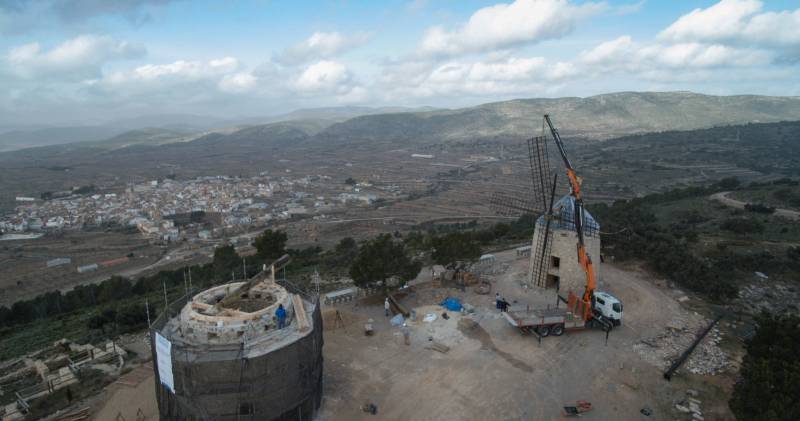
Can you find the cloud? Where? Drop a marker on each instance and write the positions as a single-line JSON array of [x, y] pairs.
[[490, 77], [624, 54], [75, 59], [321, 45], [238, 82], [505, 25], [20, 16], [324, 76], [181, 78], [736, 22]]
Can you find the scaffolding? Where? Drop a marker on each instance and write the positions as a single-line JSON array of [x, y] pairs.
[[279, 378]]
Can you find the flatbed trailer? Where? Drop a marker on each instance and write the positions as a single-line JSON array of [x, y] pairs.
[[543, 321], [555, 320]]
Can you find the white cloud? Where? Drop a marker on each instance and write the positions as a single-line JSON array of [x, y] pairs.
[[624, 54], [491, 77], [238, 82], [324, 76], [321, 45], [736, 21], [504, 25], [78, 58], [696, 55], [180, 69]]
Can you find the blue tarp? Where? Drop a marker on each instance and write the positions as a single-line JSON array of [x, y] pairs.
[[451, 303]]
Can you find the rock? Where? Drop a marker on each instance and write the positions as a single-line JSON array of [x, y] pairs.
[[697, 417], [692, 392], [682, 408]]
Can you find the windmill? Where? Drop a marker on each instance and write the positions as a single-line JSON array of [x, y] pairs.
[[538, 200]]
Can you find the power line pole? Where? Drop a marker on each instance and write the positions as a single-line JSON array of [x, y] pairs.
[[166, 302], [147, 309], [244, 268]]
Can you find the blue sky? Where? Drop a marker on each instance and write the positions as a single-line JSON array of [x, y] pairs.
[[91, 61]]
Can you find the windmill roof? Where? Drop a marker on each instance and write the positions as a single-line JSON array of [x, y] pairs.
[[564, 217]]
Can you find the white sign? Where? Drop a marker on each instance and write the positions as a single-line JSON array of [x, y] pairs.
[[164, 361]]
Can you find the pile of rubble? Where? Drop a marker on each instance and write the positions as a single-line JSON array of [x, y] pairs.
[[661, 350], [495, 269], [774, 297], [707, 357], [691, 405]]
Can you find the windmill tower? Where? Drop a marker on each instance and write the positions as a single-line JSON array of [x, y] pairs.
[[554, 262]]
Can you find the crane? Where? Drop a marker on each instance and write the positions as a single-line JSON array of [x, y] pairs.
[[593, 308], [584, 259]]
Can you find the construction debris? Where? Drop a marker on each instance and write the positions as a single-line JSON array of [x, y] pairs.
[[661, 350], [691, 405], [439, 347], [399, 307], [78, 415]]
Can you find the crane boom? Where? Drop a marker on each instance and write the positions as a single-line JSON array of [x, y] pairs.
[[575, 190]]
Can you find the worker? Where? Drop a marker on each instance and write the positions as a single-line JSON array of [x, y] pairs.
[[503, 305], [497, 300], [386, 306], [280, 314]]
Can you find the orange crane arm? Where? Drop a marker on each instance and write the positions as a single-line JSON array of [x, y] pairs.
[[583, 258]]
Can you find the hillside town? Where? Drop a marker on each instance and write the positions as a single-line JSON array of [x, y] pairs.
[[156, 208]]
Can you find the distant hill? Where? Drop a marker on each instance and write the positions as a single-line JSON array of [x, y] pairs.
[[18, 139], [601, 116]]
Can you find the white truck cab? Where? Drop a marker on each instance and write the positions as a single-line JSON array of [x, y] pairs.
[[607, 306]]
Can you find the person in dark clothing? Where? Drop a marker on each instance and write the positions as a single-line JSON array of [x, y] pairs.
[[503, 305], [497, 300], [280, 314]]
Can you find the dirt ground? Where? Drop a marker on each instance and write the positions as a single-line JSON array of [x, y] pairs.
[[491, 371]]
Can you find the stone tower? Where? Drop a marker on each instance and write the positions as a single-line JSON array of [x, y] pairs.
[[563, 272]]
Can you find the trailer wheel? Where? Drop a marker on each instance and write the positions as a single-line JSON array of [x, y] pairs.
[[558, 330], [543, 331]]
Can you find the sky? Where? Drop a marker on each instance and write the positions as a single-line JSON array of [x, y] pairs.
[[97, 61]]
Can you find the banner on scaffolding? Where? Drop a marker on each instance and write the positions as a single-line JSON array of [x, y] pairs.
[[164, 361]]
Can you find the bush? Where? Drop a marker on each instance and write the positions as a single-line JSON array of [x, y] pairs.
[[768, 387], [742, 225]]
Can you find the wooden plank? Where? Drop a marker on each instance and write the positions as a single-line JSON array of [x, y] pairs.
[[400, 308], [300, 313]]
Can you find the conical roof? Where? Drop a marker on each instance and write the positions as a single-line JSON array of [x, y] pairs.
[[564, 217]]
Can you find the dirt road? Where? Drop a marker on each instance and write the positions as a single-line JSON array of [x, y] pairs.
[[723, 198]]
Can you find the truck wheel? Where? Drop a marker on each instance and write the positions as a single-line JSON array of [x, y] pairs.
[[558, 330], [543, 331]]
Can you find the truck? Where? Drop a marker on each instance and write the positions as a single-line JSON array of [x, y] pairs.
[[606, 312]]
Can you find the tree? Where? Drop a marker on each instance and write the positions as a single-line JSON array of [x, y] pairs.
[[382, 258], [455, 246], [742, 225], [769, 377], [226, 260], [271, 244], [728, 183]]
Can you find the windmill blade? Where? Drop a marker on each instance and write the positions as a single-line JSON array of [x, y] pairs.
[[540, 249], [509, 204], [539, 163], [532, 199]]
